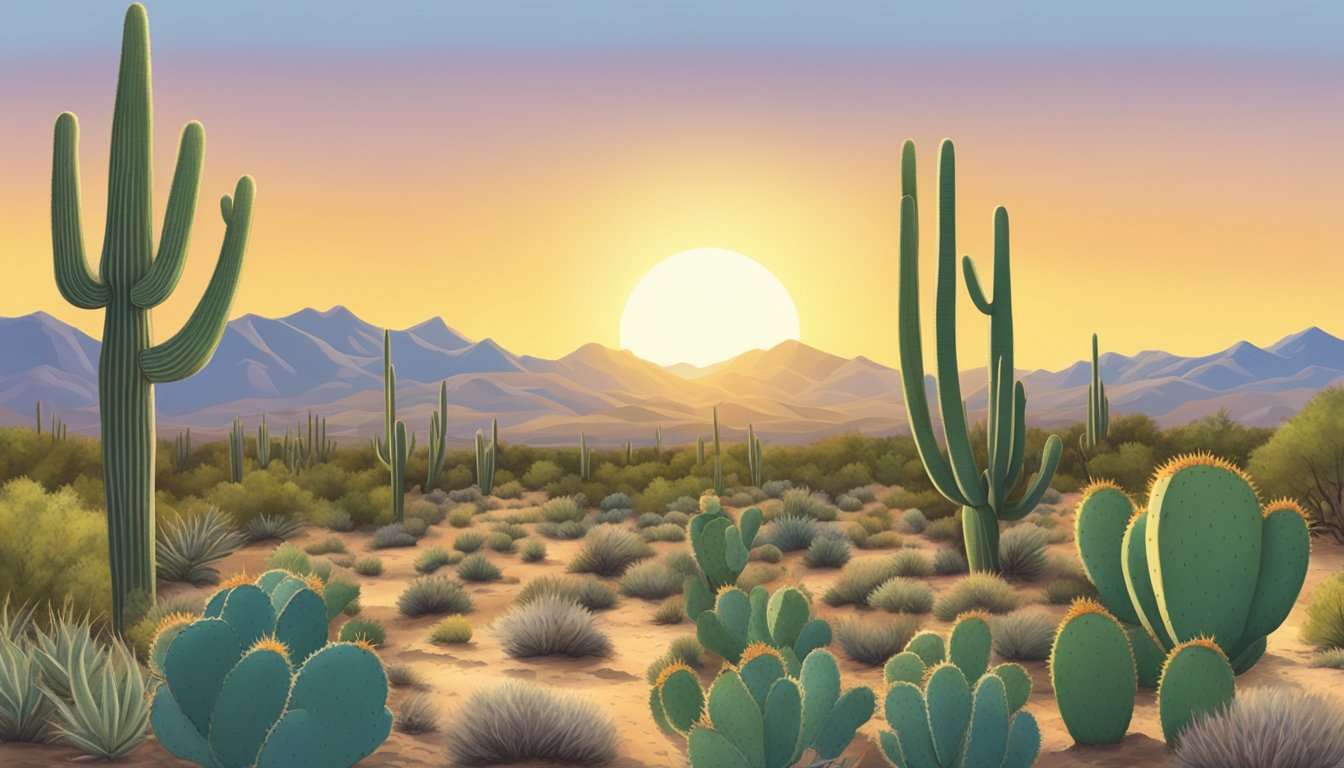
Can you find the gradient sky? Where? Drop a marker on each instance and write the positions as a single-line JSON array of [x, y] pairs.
[[1173, 174]]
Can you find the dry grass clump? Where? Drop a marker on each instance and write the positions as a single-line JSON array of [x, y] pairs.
[[518, 722]]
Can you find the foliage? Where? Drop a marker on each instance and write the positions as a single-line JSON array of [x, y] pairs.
[[948, 562], [873, 642], [477, 567], [1023, 635], [53, 548], [369, 565], [608, 551], [436, 594], [1266, 728], [911, 563], [417, 714], [670, 611], [982, 591], [452, 630], [1022, 552], [1305, 459], [902, 595], [533, 551], [1324, 627], [650, 580], [586, 591], [551, 626], [370, 631], [858, 580], [393, 535], [790, 534], [827, 552], [278, 526], [518, 721]]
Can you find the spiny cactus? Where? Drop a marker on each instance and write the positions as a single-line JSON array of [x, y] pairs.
[[57, 429], [1203, 559], [985, 497], [757, 714], [754, 455], [1196, 679], [392, 448], [263, 443], [782, 620], [718, 458], [254, 682], [1093, 674], [438, 439], [39, 417], [129, 282], [182, 449], [236, 451], [967, 648], [700, 451], [485, 458], [721, 548], [585, 458], [1098, 405]]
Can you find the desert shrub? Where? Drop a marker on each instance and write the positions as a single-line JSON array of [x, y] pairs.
[[512, 530], [1331, 659], [858, 580], [848, 503], [434, 558], [665, 532], [453, 630], [930, 500], [477, 567], [944, 529], [1022, 552], [650, 580], [911, 563], [801, 502], [775, 488], [370, 631], [370, 565], [415, 526], [460, 517], [863, 493], [914, 520], [1266, 728], [404, 676], [614, 516], [468, 541], [417, 714], [616, 500], [757, 574], [587, 592], [541, 474], [435, 594], [827, 552], [684, 649], [428, 511], [289, 557], [510, 490], [872, 643], [902, 595], [984, 591], [570, 529], [106, 714], [1324, 627], [948, 562], [519, 721], [265, 493], [790, 534], [608, 551], [1063, 591], [670, 611], [339, 520], [326, 546], [648, 520], [533, 551], [562, 510], [1023, 636], [686, 505], [551, 626], [523, 515], [500, 541], [766, 553], [188, 546], [392, 535], [740, 499], [682, 562], [263, 527], [679, 519], [883, 540], [141, 635], [471, 494]]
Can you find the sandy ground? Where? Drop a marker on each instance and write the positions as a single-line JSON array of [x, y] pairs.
[[618, 683]]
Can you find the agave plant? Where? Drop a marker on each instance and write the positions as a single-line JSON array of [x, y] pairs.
[[264, 527], [24, 708], [64, 648], [188, 546], [107, 714]]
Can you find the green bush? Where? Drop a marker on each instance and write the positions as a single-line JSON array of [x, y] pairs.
[[911, 563], [650, 580], [435, 594], [982, 591], [902, 595], [370, 565], [434, 558], [500, 541], [478, 567], [533, 551], [265, 493], [945, 529], [608, 551], [587, 591], [827, 552], [541, 474], [325, 546], [393, 535], [370, 631], [288, 557], [758, 574], [790, 534], [1022, 552], [670, 611], [1063, 591], [510, 490], [568, 530], [914, 520], [468, 541], [453, 630], [949, 562], [1023, 636], [858, 580], [562, 510], [1302, 460], [664, 532], [872, 643], [1324, 627], [765, 553], [188, 546]]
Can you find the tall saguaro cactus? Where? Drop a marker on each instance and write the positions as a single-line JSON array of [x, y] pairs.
[[985, 497], [1098, 406], [485, 458], [392, 448], [438, 438], [236, 444], [130, 281], [585, 458], [754, 456], [718, 459], [263, 443]]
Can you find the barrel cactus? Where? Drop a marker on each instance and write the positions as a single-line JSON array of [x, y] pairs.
[[757, 714], [721, 548], [1093, 676], [1204, 558]]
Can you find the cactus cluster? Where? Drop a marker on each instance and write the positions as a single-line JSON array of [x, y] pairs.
[[946, 707], [130, 281], [236, 445], [1098, 406], [263, 443], [182, 448], [783, 621], [485, 458], [987, 496], [1203, 559], [254, 682], [438, 439], [721, 548], [298, 453], [393, 448], [754, 456], [758, 714]]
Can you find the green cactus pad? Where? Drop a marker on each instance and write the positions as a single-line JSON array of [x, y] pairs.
[[1016, 684], [175, 732], [734, 714], [1141, 597], [1092, 670], [820, 680], [248, 610], [163, 640], [947, 697], [337, 595], [681, 700], [760, 674], [197, 663], [904, 667], [1024, 742], [749, 523], [1248, 656], [1204, 545], [1103, 516], [709, 747], [1284, 552], [284, 590], [1196, 679], [909, 720], [250, 702], [717, 637], [215, 603], [302, 625], [270, 579], [987, 735], [786, 615], [1148, 655], [853, 709], [969, 644], [758, 629], [695, 592], [782, 716], [929, 647]]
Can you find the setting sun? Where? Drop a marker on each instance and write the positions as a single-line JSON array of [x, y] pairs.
[[706, 305]]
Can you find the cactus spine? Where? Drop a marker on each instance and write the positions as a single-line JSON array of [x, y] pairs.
[[754, 455], [129, 282], [585, 458], [438, 438], [236, 451], [983, 496], [392, 448], [1098, 406], [485, 458], [718, 459], [263, 443]]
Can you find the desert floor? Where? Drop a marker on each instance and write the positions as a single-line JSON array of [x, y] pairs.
[[618, 682]]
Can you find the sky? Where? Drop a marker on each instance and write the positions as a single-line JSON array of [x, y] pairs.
[[1171, 170]]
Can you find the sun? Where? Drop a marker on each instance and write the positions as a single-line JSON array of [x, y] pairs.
[[704, 306]]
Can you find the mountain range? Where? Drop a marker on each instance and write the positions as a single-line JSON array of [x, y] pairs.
[[331, 362]]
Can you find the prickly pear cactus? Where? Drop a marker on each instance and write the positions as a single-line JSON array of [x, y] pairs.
[[782, 621], [721, 548], [1195, 679], [1093, 675]]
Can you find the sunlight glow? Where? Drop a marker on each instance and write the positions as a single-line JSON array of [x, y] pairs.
[[704, 306]]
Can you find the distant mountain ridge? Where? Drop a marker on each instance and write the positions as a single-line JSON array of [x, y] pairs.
[[331, 361]]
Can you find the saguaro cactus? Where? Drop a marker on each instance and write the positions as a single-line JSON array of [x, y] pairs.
[[585, 458], [485, 458], [700, 451], [754, 455], [131, 280], [263, 443], [1098, 406], [718, 459], [39, 417], [236, 451], [985, 497], [438, 438], [392, 448], [182, 448]]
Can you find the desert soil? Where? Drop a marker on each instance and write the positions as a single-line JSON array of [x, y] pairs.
[[618, 682]]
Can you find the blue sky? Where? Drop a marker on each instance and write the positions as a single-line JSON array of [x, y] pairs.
[[1313, 28]]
